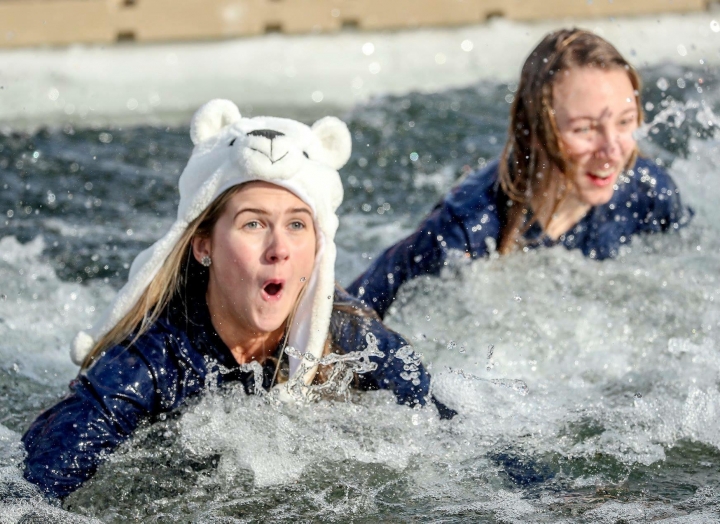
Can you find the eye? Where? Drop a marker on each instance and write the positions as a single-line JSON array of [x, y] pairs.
[[232, 142], [297, 225], [306, 155], [253, 224]]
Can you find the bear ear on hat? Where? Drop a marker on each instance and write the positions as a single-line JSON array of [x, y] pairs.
[[335, 139], [211, 118]]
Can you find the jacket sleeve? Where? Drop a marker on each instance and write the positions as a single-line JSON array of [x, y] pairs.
[[66, 443], [465, 223], [423, 253], [664, 209]]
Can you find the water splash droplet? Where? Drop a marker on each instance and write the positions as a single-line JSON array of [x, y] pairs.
[[516, 385], [256, 369]]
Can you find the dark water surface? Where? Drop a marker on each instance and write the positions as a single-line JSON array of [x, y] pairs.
[[622, 419]]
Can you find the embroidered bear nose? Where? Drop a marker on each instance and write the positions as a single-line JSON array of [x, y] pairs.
[[267, 133]]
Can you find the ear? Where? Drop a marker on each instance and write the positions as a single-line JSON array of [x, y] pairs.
[[201, 247], [211, 118], [335, 139]]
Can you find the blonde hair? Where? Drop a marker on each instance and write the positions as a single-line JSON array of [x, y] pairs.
[[533, 147], [166, 283], [170, 280]]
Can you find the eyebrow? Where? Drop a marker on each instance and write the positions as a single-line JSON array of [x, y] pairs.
[[264, 212], [628, 110]]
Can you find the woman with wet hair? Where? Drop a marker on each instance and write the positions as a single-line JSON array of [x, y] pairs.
[[241, 290], [569, 174]]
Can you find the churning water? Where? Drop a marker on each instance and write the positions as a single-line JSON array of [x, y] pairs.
[[587, 391]]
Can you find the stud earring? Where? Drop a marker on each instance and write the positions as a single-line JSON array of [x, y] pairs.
[[206, 261]]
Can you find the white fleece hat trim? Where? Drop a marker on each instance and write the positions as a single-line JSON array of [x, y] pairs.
[[231, 150]]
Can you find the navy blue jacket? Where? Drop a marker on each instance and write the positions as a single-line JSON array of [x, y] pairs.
[[178, 357], [469, 220]]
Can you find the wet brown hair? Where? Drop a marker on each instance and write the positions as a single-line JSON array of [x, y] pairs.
[[165, 284], [533, 147]]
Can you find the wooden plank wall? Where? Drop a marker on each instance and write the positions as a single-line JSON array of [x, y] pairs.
[[63, 22]]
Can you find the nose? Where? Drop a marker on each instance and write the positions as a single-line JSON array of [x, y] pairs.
[[609, 144], [278, 249]]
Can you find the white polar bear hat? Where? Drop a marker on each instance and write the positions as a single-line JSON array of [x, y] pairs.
[[231, 150]]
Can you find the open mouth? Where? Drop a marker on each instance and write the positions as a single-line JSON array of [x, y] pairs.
[[273, 288], [601, 177]]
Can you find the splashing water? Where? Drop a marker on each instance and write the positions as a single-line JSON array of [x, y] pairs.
[[516, 385], [342, 370], [592, 399], [256, 369], [674, 114]]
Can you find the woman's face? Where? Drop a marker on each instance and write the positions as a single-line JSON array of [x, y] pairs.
[[263, 252], [596, 114]]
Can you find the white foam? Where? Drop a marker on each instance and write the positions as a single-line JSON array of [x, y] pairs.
[[280, 442], [40, 313], [628, 346]]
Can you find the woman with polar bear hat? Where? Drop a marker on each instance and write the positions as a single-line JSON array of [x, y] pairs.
[[241, 288]]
